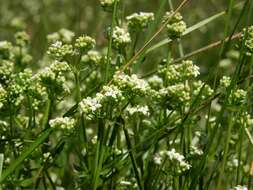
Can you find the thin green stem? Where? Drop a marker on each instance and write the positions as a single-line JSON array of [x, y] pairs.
[[225, 155], [133, 160], [47, 113], [109, 50]]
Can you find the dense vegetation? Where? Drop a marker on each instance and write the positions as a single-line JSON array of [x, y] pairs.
[[115, 94]]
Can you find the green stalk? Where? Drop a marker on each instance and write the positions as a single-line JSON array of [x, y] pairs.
[[78, 88], [129, 146], [16, 163], [99, 154], [46, 113], [1, 163], [1, 166], [226, 31], [224, 159], [239, 155], [109, 51], [30, 111]]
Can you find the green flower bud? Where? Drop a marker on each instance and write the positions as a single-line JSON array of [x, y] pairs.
[[85, 43], [176, 26]]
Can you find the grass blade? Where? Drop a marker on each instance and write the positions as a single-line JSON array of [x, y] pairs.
[[25, 154]]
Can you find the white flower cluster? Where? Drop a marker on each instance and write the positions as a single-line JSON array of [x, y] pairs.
[[53, 76], [195, 151], [180, 93], [58, 50], [18, 86], [178, 160], [6, 69], [239, 187], [138, 110], [120, 38], [3, 96], [174, 156], [62, 122], [155, 82], [112, 92], [233, 163], [132, 84], [92, 106], [180, 72], [237, 97], [92, 57], [139, 21]]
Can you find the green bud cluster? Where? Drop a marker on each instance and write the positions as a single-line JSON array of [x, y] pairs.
[[85, 43], [22, 38], [247, 38], [176, 26], [92, 57]]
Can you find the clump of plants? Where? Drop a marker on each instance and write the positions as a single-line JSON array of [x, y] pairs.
[[89, 117]]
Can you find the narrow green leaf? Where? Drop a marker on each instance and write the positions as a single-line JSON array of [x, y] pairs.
[[25, 154]]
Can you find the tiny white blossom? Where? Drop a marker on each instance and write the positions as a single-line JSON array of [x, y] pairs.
[[140, 110], [62, 122]]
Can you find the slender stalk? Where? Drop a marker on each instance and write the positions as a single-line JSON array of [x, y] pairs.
[[109, 50], [100, 150], [47, 113], [136, 172], [224, 159], [239, 155]]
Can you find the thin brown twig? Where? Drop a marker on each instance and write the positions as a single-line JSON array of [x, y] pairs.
[[198, 51], [141, 50], [205, 48]]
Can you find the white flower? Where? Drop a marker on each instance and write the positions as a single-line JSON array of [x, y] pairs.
[[140, 110], [239, 187], [174, 156], [120, 37], [155, 81], [92, 57], [140, 20], [90, 104], [112, 91], [62, 122], [157, 159], [132, 84]]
